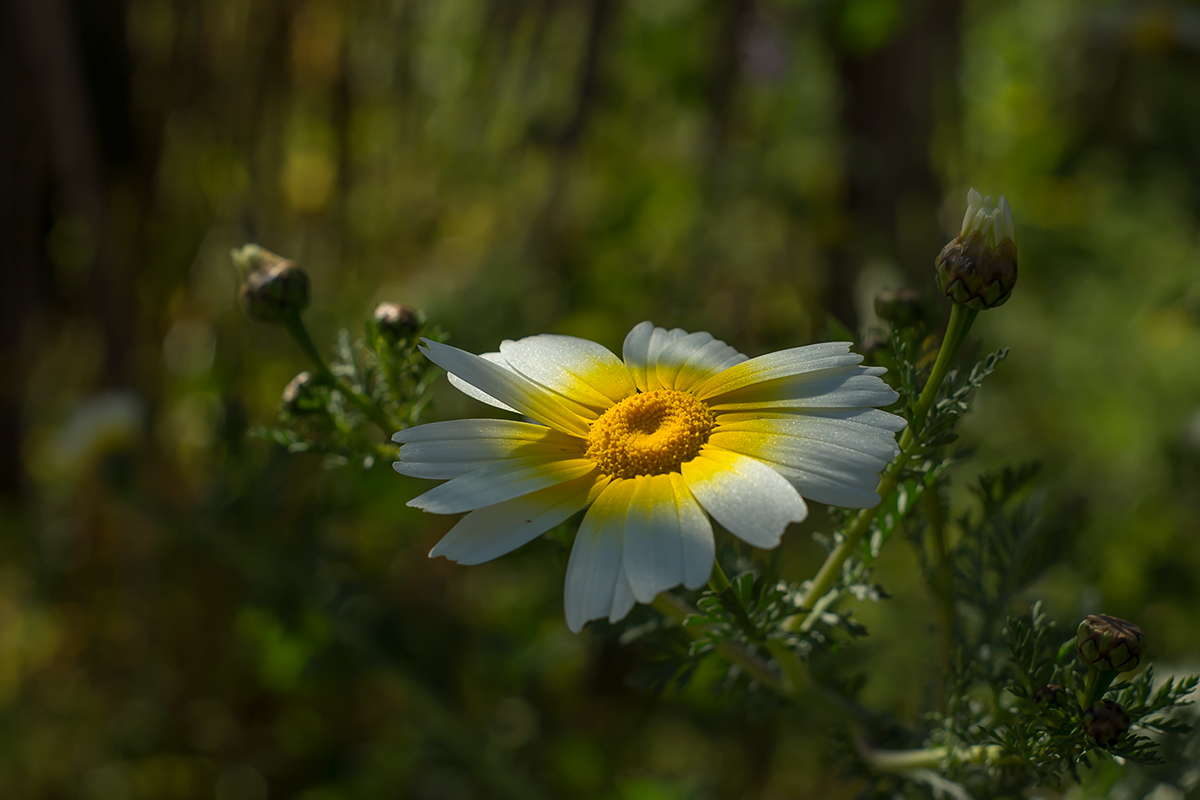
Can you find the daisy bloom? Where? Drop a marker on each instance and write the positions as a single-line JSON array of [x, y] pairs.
[[686, 428]]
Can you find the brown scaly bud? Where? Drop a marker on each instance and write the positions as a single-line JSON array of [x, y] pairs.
[[396, 320], [273, 288], [979, 268], [300, 396], [1105, 722], [1109, 643], [1050, 695], [900, 307]]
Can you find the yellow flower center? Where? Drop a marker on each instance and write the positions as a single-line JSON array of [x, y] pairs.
[[649, 434]]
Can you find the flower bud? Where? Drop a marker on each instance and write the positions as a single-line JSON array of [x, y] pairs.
[[272, 287], [300, 396], [900, 307], [1109, 643], [1105, 722], [1050, 695], [396, 320], [979, 268]]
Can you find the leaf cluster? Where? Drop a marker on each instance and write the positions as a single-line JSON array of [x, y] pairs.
[[1037, 696], [375, 385]]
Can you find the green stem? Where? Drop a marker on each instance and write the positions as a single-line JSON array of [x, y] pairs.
[[792, 668], [795, 674], [931, 757], [961, 318], [677, 611], [720, 586], [717, 581], [1089, 689], [295, 326], [943, 577]]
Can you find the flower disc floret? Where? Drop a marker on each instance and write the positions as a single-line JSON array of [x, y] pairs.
[[650, 433]]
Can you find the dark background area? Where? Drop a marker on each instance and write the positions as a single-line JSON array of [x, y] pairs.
[[185, 612]]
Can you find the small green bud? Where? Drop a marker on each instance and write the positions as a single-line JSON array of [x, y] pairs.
[[397, 321], [300, 396], [272, 287], [1050, 695], [900, 307], [978, 269], [1109, 643], [1105, 722]]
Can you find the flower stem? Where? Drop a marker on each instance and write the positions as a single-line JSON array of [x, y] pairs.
[[943, 577], [792, 668], [295, 327], [931, 757], [961, 318], [677, 611], [720, 586], [1089, 689]]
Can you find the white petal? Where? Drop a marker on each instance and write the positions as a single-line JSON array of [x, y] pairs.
[[754, 502], [668, 538], [444, 450], [472, 392], [487, 533], [623, 599], [871, 417], [820, 470], [653, 548], [831, 490], [782, 364], [693, 359], [641, 350], [849, 387], [595, 564], [500, 481], [875, 442], [699, 548], [674, 359], [511, 388], [633, 352], [583, 371]]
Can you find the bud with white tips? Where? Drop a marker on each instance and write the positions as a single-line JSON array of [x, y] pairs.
[[397, 321], [978, 269], [301, 397]]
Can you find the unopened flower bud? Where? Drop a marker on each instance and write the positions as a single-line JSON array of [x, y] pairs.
[[300, 396], [1050, 695], [1109, 643], [272, 287], [979, 268], [1105, 722], [396, 320], [900, 307]]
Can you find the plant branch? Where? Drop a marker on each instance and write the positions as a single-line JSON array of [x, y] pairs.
[[295, 327], [956, 331]]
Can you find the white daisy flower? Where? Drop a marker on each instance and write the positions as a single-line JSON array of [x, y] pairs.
[[685, 429]]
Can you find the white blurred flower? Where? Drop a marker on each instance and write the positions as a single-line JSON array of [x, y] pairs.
[[686, 428], [97, 426]]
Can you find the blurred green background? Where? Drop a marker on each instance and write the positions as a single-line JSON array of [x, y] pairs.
[[188, 613]]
